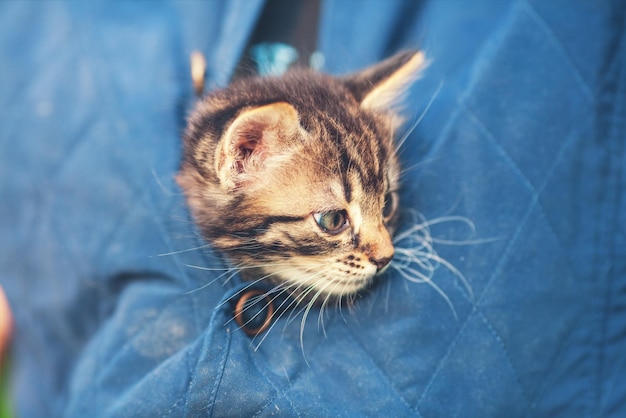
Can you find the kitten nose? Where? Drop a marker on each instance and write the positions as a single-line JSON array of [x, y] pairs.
[[380, 263], [378, 247], [382, 253]]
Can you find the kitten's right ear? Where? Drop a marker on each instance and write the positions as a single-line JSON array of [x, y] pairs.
[[381, 86], [255, 142]]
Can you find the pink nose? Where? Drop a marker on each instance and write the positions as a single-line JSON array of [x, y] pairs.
[[380, 263], [377, 245]]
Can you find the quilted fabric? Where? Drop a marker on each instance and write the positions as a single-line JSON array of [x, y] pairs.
[[518, 161]]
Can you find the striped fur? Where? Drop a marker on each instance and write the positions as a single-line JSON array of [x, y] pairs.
[[262, 157]]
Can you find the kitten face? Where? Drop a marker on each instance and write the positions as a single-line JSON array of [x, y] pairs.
[[295, 178]]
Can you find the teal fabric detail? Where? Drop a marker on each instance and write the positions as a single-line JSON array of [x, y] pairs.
[[273, 59]]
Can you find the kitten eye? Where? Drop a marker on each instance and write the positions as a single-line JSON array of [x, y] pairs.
[[389, 208], [332, 222]]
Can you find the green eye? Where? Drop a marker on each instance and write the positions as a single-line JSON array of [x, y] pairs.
[[332, 222]]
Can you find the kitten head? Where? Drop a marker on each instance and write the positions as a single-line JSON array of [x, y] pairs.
[[295, 178]]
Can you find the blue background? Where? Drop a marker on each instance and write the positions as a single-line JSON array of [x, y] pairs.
[[523, 133]]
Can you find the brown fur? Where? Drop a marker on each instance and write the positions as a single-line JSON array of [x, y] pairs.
[[265, 157]]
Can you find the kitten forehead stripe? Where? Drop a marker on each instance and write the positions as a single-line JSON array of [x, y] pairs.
[[350, 157]]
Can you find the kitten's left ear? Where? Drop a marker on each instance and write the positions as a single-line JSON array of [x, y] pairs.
[[258, 140], [381, 86]]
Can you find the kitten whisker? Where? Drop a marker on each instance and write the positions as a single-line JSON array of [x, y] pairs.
[[159, 183], [279, 290], [309, 306], [200, 247], [338, 307], [411, 168], [252, 283], [293, 301], [278, 313], [235, 269], [231, 271], [454, 271], [281, 312], [210, 268], [324, 307], [301, 297], [418, 277], [419, 119], [387, 295], [416, 258]]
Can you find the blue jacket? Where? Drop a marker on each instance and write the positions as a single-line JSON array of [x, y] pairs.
[[518, 165]]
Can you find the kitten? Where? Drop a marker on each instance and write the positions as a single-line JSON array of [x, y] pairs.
[[295, 178]]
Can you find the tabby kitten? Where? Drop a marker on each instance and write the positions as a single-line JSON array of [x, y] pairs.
[[295, 178]]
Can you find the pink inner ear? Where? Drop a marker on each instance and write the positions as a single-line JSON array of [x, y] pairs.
[[248, 145], [255, 136], [245, 148]]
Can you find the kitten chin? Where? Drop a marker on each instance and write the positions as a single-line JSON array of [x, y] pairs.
[[295, 178]]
